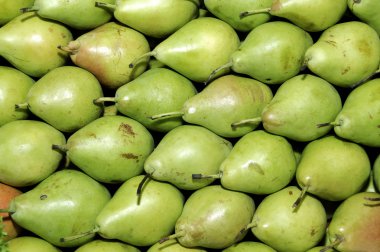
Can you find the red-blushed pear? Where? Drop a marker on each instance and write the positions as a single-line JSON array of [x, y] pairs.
[[29, 43], [76, 14], [157, 90], [103, 245], [366, 11], [9, 228], [248, 246], [345, 54], [355, 225], [64, 98], [197, 48], [213, 217], [14, 87], [26, 154], [31, 244], [173, 246], [65, 203], [310, 15], [11, 9], [229, 11], [161, 17], [187, 150], [284, 228], [110, 149], [106, 52]]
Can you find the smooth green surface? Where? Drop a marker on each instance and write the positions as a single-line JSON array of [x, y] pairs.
[[100, 245], [30, 244]]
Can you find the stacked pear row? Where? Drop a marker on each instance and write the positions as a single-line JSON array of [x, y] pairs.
[[264, 94]]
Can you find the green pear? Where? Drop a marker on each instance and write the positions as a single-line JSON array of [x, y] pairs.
[[366, 11], [213, 217], [259, 163], [310, 15], [14, 87], [100, 245], [248, 246], [197, 48], [376, 173], [324, 166], [11, 9], [111, 149], [359, 119], [157, 90], [279, 225], [173, 246], [187, 150], [345, 54], [139, 219], [299, 105], [224, 101], [58, 98], [26, 154], [272, 52], [77, 14], [112, 46], [161, 17], [65, 203], [30, 244], [29, 43], [229, 11], [370, 184], [355, 224]]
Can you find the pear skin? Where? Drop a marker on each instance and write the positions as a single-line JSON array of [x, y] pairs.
[[366, 11], [31, 244], [247, 246], [173, 246], [11, 9], [376, 173], [101, 245]]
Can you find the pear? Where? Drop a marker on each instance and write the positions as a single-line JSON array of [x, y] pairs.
[[14, 87], [224, 101], [359, 119], [139, 219], [310, 15], [76, 14], [229, 11], [213, 217], [26, 154], [272, 52], [106, 52], [321, 248], [366, 11], [11, 9], [345, 54], [185, 150], [279, 225], [65, 203], [157, 90], [59, 99], [355, 224], [197, 48], [31, 244], [259, 163], [248, 246], [111, 149], [161, 17], [173, 246], [376, 173], [101, 245], [324, 166], [29, 43], [299, 105]]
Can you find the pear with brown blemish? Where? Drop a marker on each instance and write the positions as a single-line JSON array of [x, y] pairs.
[[110, 149]]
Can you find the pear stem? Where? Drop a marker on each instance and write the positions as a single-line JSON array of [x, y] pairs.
[[136, 60], [246, 121], [107, 5], [78, 236], [215, 71], [28, 9], [142, 183], [173, 236], [101, 100], [320, 125], [62, 148], [252, 12], [338, 239], [7, 210], [21, 106], [166, 115], [298, 201], [203, 176]]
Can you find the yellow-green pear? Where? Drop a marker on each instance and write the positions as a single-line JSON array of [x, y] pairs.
[[376, 173], [173, 246], [248, 246], [31, 244], [104, 245], [11, 9], [366, 11]]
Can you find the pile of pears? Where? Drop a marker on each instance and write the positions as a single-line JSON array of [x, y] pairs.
[[190, 125]]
